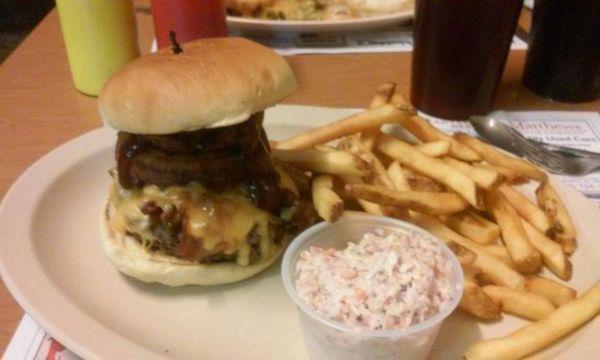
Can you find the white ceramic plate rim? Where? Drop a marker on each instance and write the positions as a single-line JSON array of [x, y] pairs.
[[319, 25]]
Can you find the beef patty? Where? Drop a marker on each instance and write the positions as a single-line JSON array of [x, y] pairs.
[[218, 158]]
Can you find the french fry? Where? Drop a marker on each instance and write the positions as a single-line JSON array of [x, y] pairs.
[[350, 203], [538, 335], [552, 253], [432, 167], [463, 255], [368, 119], [473, 226], [486, 178], [495, 157], [397, 176], [323, 147], [527, 209], [470, 269], [379, 175], [376, 209], [562, 226], [497, 271], [519, 302], [425, 132], [476, 302], [435, 148], [350, 213], [400, 102], [484, 279], [427, 202], [524, 255], [557, 293], [336, 162], [420, 182], [369, 207], [328, 204], [499, 252], [353, 145], [511, 176], [382, 96]]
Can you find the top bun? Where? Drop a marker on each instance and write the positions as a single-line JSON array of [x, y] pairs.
[[212, 83]]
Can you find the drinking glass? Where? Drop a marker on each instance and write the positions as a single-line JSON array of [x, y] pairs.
[[460, 48]]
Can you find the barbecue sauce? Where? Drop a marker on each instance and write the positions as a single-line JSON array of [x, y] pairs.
[[219, 158]]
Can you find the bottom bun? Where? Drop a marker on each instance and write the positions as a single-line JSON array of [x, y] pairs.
[[132, 259]]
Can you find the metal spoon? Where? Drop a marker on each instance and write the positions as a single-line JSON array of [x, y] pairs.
[[556, 159]]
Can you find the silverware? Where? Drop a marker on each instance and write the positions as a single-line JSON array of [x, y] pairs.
[[556, 159]]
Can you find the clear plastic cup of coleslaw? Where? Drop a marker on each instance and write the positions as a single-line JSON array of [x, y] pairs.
[[325, 338]]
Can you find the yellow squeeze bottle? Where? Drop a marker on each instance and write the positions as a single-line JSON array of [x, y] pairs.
[[100, 37]]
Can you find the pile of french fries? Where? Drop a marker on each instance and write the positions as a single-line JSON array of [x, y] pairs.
[[463, 191]]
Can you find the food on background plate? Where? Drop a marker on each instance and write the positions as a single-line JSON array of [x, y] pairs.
[[196, 197], [500, 235], [386, 280], [314, 10]]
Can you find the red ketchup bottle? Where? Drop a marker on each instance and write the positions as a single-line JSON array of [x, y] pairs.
[[189, 19]]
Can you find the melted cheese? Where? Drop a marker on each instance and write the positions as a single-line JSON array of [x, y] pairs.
[[221, 221]]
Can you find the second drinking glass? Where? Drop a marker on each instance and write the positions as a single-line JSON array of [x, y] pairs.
[[460, 50]]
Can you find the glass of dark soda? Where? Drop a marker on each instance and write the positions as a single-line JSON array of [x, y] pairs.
[[459, 53], [563, 60]]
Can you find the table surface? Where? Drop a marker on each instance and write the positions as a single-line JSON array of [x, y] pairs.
[[40, 109]]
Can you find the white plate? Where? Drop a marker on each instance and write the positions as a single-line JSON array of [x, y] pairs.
[[52, 261], [359, 24]]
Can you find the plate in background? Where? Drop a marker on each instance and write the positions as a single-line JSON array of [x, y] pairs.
[[291, 26]]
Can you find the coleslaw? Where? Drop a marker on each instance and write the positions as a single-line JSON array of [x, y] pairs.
[[384, 281]]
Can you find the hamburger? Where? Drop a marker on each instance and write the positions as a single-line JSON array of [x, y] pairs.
[[196, 197]]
